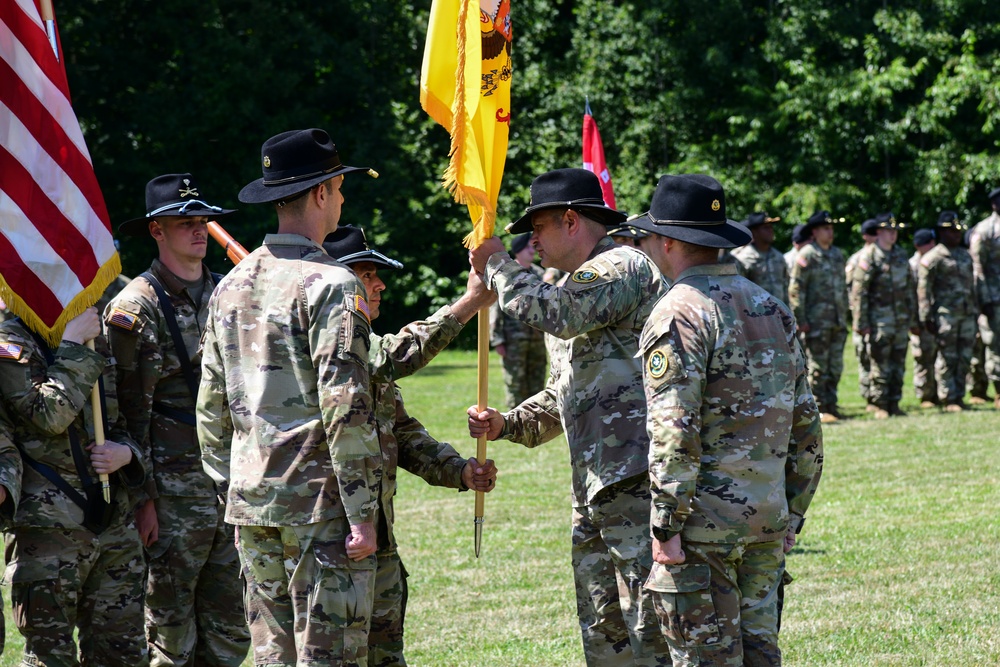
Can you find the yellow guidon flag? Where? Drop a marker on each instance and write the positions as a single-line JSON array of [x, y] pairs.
[[465, 87]]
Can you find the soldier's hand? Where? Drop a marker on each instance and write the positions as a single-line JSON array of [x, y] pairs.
[[147, 523], [83, 327], [501, 350], [478, 256], [489, 422], [477, 296], [479, 477], [109, 457], [789, 541], [669, 552], [362, 541]]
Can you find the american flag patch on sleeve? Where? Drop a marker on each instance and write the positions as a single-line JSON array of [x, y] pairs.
[[10, 351], [361, 306], [122, 319]]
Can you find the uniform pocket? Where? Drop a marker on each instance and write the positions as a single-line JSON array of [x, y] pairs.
[[342, 600], [682, 598], [36, 590]]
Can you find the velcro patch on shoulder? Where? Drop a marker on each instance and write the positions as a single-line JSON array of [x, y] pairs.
[[802, 261], [585, 276], [10, 351], [663, 367], [864, 264], [359, 305], [123, 319]]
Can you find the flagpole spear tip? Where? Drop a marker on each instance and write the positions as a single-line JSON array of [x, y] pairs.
[[479, 534]]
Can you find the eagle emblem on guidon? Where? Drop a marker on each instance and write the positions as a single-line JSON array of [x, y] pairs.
[[585, 276], [657, 365]]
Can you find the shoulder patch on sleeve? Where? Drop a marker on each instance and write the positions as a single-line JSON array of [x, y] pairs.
[[585, 276], [663, 367], [122, 319], [359, 305], [863, 263], [802, 261], [10, 351]]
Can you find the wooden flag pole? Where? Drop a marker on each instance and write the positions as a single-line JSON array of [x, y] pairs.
[[482, 400], [95, 405]]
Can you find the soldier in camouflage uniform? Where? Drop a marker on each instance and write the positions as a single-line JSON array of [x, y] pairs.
[[860, 343], [521, 347], [801, 237], [984, 246], [730, 487], [977, 382], [922, 344], [946, 298], [593, 395], [194, 597], [74, 562], [817, 295], [285, 417], [626, 235], [759, 261], [10, 491], [404, 441], [883, 298]]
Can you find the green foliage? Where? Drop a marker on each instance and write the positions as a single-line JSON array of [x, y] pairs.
[[857, 106]]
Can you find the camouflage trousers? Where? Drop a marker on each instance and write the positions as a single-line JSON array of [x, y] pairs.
[[864, 364], [307, 603], [612, 553], [63, 580], [955, 340], [720, 607], [924, 349], [887, 346], [194, 594], [825, 363], [525, 368], [989, 330], [976, 381], [385, 641]]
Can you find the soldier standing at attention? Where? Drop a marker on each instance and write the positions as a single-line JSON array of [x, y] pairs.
[[521, 347], [404, 441], [946, 296], [922, 344], [860, 343], [801, 236], [285, 418], [984, 246], [884, 300], [594, 396], [74, 561], [736, 445], [194, 597], [817, 295], [759, 260], [10, 492]]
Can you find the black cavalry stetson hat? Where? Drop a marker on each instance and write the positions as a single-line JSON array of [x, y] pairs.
[[171, 195], [950, 220], [888, 221], [821, 218], [349, 245], [994, 194], [758, 218], [692, 208], [577, 189], [293, 162]]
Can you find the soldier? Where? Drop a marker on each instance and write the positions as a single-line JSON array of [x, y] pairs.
[[194, 597], [285, 417], [977, 382], [759, 260], [985, 251], [946, 297], [521, 347], [801, 237], [626, 235], [404, 440], [883, 300], [860, 344], [593, 395], [817, 295], [922, 344], [730, 487], [74, 561], [10, 490]]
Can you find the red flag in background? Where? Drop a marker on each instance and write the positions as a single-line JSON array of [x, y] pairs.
[[593, 156], [57, 253]]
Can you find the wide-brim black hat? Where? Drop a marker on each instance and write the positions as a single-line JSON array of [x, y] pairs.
[[950, 220], [820, 218], [627, 231], [576, 189], [349, 245], [994, 194], [171, 195], [293, 162], [692, 208], [519, 243], [757, 219], [888, 221]]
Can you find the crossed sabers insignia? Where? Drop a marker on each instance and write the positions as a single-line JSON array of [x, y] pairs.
[[188, 191]]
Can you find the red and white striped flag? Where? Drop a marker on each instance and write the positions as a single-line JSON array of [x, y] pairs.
[[57, 253], [593, 156]]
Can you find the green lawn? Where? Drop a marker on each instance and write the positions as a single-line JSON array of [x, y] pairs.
[[897, 564]]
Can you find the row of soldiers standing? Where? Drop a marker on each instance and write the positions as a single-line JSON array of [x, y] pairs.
[[941, 301]]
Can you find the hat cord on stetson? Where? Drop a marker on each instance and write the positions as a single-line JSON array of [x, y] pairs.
[[183, 207], [300, 177], [656, 221]]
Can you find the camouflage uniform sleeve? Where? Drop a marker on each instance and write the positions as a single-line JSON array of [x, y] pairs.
[[979, 249], [595, 295], [212, 418], [797, 286], [535, 421], [11, 468], [132, 474], [860, 283], [400, 355], [804, 465], [925, 279], [675, 356], [437, 463], [341, 363]]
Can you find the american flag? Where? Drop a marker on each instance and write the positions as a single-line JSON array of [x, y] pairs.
[[57, 253]]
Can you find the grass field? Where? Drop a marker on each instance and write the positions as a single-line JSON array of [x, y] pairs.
[[898, 563]]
